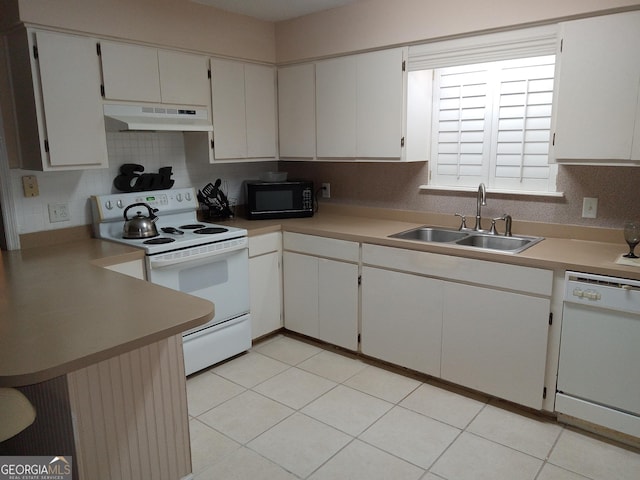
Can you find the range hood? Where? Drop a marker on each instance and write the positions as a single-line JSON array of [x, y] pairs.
[[120, 118]]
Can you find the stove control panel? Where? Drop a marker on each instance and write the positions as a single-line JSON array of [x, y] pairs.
[[112, 206]]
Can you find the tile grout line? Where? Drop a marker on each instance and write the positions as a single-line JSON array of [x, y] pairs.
[[393, 404]]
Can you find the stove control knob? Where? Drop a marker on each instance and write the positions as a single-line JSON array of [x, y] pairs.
[[187, 196], [119, 204], [179, 197], [108, 204]]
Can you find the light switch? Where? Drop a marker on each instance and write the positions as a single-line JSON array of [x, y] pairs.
[[589, 207]]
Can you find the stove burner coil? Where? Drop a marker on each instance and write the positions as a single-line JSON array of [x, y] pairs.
[[159, 241], [211, 230], [192, 226]]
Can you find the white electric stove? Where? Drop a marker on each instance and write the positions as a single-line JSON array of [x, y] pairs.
[[203, 259]]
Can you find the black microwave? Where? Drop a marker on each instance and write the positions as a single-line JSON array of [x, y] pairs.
[[290, 199]]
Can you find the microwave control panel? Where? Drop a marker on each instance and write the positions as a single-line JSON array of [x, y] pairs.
[[307, 199]]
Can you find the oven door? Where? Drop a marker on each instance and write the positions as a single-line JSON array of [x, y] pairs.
[[220, 275]]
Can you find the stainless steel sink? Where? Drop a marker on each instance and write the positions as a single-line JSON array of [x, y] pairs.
[[493, 242], [431, 234], [472, 239]]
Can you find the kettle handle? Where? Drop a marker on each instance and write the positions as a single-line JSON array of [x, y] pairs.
[[151, 213]]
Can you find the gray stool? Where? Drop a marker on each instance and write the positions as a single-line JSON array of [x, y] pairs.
[[16, 413]]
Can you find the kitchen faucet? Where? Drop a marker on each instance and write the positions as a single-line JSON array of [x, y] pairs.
[[481, 201]]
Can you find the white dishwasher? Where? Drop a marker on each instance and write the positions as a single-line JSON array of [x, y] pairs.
[[599, 368]]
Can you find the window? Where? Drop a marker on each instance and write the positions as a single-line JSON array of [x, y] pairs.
[[487, 113], [492, 123]]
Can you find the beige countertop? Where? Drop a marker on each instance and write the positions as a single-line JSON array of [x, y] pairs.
[[581, 249], [61, 311]]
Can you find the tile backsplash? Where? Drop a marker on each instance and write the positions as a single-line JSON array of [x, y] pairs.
[[396, 186], [367, 184], [153, 150]]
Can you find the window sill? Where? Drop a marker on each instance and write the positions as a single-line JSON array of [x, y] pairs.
[[522, 193]]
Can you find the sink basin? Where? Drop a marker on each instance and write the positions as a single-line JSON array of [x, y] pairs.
[[493, 242], [472, 239], [431, 234]]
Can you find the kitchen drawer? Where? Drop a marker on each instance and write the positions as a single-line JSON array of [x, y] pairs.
[[267, 243], [490, 274], [322, 247]]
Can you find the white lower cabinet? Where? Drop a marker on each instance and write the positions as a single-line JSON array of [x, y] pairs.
[[134, 268], [265, 283], [338, 303], [320, 293], [483, 325], [495, 342], [402, 319], [480, 324]]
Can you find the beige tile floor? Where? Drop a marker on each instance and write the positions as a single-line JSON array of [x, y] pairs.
[[291, 410]]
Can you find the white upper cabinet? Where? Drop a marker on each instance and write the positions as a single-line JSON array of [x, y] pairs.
[[229, 109], [260, 96], [381, 81], [184, 78], [244, 110], [597, 91], [130, 72], [336, 108], [360, 105], [144, 74], [58, 107], [297, 111]]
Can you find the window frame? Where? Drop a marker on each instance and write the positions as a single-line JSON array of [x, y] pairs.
[[465, 155], [460, 52]]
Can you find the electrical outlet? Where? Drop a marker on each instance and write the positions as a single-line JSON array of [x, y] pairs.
[[589, 207], [326, 190], [30, 186], [58, 212]]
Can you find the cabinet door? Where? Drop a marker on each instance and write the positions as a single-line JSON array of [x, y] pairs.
[[297, 111], [300, 274], [597, 88], [338, 303], [495, 342], [336, 107], [229, 113], [130, 72], [260, 99], [265, 294], [635, 149], [380, 104], [402, 319], [184, 78], [134, 268], [70, 84]]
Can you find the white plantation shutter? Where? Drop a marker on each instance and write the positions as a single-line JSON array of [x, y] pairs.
[[522, 125], [491, 124], [462, 109]]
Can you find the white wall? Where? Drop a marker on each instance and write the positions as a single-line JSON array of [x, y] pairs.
[[175, 23], [379, 23], [152, 150]]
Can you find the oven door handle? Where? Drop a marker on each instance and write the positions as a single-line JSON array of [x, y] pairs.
[[167, 260]]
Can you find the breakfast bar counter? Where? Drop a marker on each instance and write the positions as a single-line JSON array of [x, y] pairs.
[[99, 355], [61, 311]]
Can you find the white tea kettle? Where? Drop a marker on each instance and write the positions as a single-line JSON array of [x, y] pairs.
[[139, 226]]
